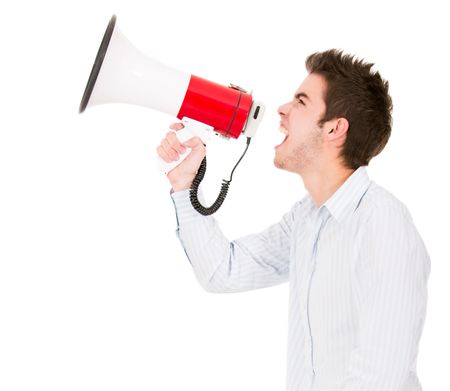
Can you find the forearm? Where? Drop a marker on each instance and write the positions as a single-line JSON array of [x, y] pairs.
[[221, 265]]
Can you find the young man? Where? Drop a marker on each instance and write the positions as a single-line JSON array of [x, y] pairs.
[[356, 264]]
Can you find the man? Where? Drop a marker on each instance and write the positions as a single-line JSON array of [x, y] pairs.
[[356, 264]]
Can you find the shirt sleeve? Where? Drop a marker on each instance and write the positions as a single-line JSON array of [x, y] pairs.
[[251, 262], [393, 271]]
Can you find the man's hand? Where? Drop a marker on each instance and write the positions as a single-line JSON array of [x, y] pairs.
[[169, 150]]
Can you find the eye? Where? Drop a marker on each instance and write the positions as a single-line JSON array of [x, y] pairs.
[[300, 96]]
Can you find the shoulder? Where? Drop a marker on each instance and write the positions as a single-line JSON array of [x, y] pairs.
[[386, 222], [388, 235], [380, 204]]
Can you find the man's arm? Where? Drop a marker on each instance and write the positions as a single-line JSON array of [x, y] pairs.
[[393, 271], [254, 261]]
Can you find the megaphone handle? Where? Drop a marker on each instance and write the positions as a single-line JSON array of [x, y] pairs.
[[191, 129]]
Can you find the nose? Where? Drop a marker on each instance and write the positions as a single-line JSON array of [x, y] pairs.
[[283, 110]]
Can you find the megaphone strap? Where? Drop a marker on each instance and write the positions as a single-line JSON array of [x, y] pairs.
[[234, 114]]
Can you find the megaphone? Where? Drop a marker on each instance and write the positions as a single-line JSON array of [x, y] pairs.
[[123, 74]]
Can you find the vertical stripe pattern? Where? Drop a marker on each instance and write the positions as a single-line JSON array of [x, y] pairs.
[[357, 270]]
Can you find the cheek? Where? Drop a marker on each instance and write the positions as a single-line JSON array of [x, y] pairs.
[[297, 134], [309, 122], [299, 124]]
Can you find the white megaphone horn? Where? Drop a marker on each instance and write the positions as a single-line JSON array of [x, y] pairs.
[[123, 74]]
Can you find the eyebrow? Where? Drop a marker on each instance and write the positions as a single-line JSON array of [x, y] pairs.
[[299, 95]]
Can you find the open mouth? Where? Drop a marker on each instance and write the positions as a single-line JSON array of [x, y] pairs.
[[285, 132]]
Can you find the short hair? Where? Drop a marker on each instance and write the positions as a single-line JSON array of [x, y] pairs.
[[358, 94]]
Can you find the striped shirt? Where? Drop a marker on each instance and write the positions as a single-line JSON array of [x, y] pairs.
[[357, 271]]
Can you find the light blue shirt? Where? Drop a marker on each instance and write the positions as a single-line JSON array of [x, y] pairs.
[[357, 270]]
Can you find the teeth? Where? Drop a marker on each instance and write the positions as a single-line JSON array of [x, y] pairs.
[[283, 130], [285, 133]]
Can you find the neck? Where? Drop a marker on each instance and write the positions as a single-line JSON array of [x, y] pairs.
[[321, 184]]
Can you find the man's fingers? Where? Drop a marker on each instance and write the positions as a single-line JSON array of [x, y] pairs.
[[163, 155], [176, 126], [173, 141], [194, 143], [169, 149]]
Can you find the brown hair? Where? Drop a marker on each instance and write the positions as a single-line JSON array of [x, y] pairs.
[[361, 96]]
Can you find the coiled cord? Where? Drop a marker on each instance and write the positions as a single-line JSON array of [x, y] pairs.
[[193, 192]]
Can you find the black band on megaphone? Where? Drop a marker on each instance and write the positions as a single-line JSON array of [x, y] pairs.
[[97, 64]]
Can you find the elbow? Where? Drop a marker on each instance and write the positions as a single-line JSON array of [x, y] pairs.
[[212, 286], [212, 289]]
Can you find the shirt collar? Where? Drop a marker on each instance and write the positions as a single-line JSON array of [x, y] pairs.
[[346, 199]]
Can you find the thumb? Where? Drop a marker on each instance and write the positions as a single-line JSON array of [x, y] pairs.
[[195, 143]]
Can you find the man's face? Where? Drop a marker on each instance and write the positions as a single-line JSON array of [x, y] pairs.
[[299, 121]]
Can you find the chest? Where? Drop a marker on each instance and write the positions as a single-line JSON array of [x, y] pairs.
[[322, 262]]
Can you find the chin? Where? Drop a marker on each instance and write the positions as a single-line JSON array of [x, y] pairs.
[[278, 163], [286, 164]]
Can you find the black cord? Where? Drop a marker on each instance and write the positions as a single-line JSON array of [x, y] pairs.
[[193, 192]]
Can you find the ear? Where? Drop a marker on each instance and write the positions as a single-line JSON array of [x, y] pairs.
[[337, 130]]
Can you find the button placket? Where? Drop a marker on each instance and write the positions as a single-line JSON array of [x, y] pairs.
[[321, 219]]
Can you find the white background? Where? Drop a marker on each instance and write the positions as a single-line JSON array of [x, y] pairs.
[[95, 291]]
